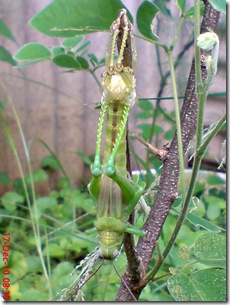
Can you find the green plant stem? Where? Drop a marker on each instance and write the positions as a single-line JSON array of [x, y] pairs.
[[178, 125], [200, 147], [56, 159], [24, 78], [182, 216], [201, 99], [96, 79], [35, 225], [172, 70], [153, 41], [175, 38]]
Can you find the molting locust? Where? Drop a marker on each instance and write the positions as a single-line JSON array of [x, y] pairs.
[[115, 194]]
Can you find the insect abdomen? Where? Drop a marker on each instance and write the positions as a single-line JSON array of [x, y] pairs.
[[115, 114]]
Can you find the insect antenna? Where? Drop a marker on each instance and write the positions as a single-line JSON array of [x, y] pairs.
[[77, 289], [115, 268]]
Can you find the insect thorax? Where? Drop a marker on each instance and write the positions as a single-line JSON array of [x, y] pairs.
[[119, 86]]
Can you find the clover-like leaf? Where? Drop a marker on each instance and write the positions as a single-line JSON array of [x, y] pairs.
[[63, 18], [145, 15]]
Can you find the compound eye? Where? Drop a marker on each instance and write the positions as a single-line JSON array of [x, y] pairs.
[[119, 67], [111, 70]]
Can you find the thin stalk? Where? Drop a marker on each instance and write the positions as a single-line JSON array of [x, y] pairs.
[[198, 157], [162, 45], [34, 219], [56, 159], [200, 151], [175, 38], [182, 216], [40, 84], [218, 126], [178, 125], [172, 71], [47, 254], [96, 79], [201, 99]]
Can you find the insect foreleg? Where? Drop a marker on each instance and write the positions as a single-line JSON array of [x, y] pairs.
[[94, 187], [96, 168], [131, 191]]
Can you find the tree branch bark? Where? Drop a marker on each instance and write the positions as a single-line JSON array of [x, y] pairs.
[[167, 191]]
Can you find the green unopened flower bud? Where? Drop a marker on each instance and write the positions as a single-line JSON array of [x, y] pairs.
[[207, 41]]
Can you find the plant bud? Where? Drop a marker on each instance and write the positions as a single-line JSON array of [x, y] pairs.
[[207, 41]]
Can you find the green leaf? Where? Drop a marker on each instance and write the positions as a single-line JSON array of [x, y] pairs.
[[144, 115], [145, 105], [72, 41], [185, 253], [33, 51], [82, 62], [61, 276], [181, 4], [215, 204], [83, 46], [57, 51], [39, 175], [84, 157], [198, 207], [64, 268], [18, 264], [204, 285], [163, 7], [190, 12], [28, 64], [219, 5], [49, 162], [209, 199], [214, 180], [210, 249], [197, 221], [33, 263], [46, 203], [63, 18], [5, 31], [145, 15], [1, 107], [63, 183], [4, 179], [66, 61], [70, 53], [30, 294], [6, 56], [213, 211], [93, 58], [146, 129], [54, 250], [169, 134], [10, 199]]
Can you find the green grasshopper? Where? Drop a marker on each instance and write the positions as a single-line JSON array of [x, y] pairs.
[[115, 194]]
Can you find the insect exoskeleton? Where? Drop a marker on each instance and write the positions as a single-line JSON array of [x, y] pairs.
[[111, 237]]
